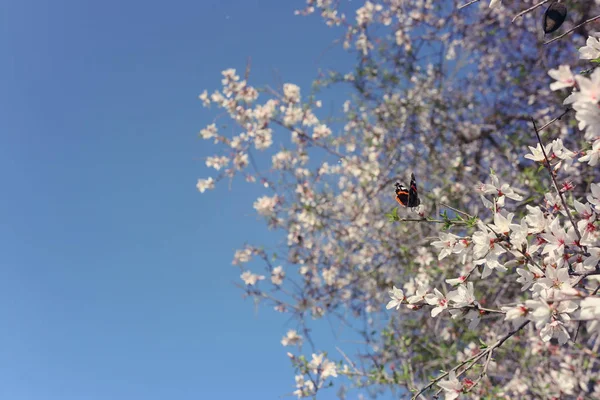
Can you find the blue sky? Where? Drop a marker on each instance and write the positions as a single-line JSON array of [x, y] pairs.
[[116, 273]]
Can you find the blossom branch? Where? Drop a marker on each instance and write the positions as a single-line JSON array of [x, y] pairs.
[[560, 194], [473, 359]]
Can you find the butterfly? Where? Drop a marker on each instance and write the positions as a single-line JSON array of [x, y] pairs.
[[408, 197]]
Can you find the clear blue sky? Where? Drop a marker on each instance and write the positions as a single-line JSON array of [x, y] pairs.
[[116, 273]]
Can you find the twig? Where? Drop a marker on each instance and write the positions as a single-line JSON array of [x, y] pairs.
[[456, 210], [349, 361], [577, 331], [467, 4], [248, 65], [489, 310], [555, 119], [483, 372], [562, 198], [529, 10], [572, 29], [433, 382], [436, 221]]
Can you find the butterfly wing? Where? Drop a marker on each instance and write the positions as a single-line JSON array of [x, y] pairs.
[[413, 195], [402, 195]]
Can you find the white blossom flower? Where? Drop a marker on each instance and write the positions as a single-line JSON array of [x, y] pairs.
[[321, 131], [263, 139], [517, 315], [553, 203], [590, 308], [242, 256], [397, 296], [291, 338], [251, 279], [558, 238], [502, 224], [418, 296], [537, 154], [500, 190], [217, 97], [217, 162], [557, 278], [483, 240], [452, 386], [539, 312], [591, 50], [591, 156], [555, 329], [204, 97], [589, 89], [292, 115], [463, 296], [590, 262], [240, 160], [563, 76], [291, 93], [205, 184], [277, 275], [588, 116], [487, 251], [423, 257], [446, 244], [565, 155], [527, 278], [229, 75], [535, 219], [283, 159], [304, 388], [437, 299], [329, 275], [209, 132], [321, 366], [588, 217], [456, 281], [594, 198], [518, 238], [265, 205]]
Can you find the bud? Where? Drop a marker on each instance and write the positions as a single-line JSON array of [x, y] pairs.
[[554, 17]]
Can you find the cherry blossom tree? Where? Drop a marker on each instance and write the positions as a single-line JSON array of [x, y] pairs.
[[488, 289]]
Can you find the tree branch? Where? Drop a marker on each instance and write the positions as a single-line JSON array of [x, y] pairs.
[[572, 29], [529, 10]]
